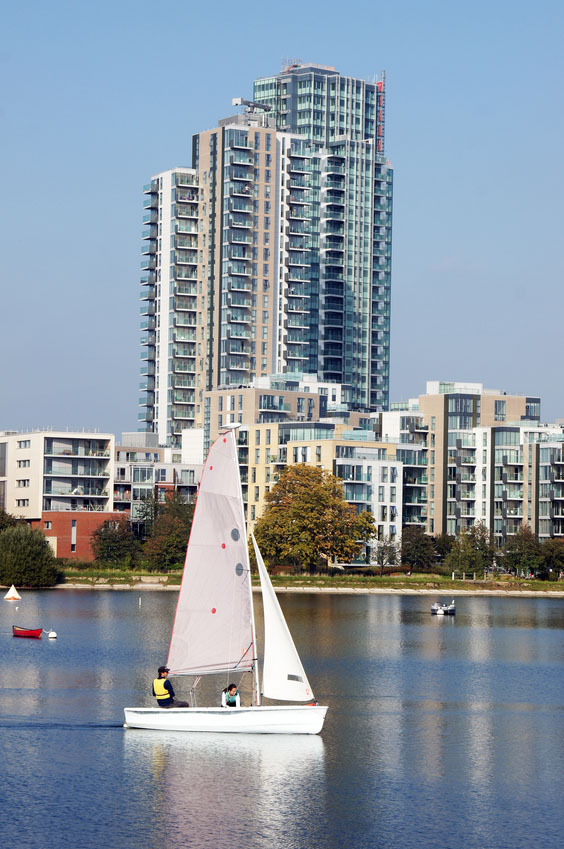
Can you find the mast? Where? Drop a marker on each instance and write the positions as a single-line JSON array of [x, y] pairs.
[[256, 686]]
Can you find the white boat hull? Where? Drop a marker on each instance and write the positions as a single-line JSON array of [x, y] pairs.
[[266, 719]]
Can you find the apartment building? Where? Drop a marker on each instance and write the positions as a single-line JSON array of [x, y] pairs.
[[483, 451], [59, 481], [370, 472], [452, 410], [144, 469]]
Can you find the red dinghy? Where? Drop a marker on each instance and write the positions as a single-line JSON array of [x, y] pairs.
[[34, 633]]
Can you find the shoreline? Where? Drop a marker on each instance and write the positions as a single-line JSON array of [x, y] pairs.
[[142, 587]]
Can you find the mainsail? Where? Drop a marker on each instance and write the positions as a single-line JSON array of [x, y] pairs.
[[283, 675], [213, 628]]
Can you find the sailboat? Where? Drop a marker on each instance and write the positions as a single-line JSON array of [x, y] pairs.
[[214, 626]]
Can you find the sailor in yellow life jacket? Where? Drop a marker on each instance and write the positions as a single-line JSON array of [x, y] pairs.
[[163, 692]]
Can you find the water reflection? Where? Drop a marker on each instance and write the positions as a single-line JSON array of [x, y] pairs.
[[214, 786]]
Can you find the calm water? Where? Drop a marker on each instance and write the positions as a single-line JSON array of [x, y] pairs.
[[440, 731]]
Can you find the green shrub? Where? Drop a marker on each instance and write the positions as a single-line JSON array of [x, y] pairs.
[[26, 558]]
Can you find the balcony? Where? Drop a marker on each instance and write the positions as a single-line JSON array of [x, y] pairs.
[[187, 289], [239, 204], [240, 145], [186, 273], [239, 190], [184, 382], [332, 198], [237, 364], [238, 237], [186, 241], [94, 492], [331, 213], [186, 211], [240, 174], [301, 197], [184, 179], [241, 159], [238, 301], [335, 168], [298, 258], [238, 268], [238, 284], [185, 196], [240, 221]]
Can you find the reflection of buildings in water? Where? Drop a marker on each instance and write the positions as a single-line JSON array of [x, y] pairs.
[[477, 731], [479, 642], [216, 785]]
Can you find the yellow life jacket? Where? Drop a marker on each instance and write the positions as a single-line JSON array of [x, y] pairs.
[[161, 691]]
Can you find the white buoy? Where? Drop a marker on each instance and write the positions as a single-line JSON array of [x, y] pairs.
[[12, 594], [139, 601], [52, 635]]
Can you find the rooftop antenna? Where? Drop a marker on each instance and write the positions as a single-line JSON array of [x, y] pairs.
[[251, 105], [288, 63]]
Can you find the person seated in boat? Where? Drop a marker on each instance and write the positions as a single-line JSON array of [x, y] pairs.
[[230, 697], [163, 692]]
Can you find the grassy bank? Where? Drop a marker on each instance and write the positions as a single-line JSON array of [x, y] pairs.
[[416, 582]]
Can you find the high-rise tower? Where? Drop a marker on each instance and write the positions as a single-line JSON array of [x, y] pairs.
[[338, 175], [272, 253]]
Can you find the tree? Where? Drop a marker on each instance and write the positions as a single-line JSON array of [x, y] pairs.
[[26, 558], [174, 505], [307, 522], [522, 551], [384, 553], [7, 520], [552, 563], [417, 549], [443, 545], [170, 530], [472, 551], [166, 547], [114, 543]]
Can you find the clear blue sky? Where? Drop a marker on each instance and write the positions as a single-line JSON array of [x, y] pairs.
[[97, 97]]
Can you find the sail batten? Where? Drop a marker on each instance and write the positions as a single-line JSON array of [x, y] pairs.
[[212, 630]]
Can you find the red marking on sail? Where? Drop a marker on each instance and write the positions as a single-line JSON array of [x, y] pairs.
[[213, 610]]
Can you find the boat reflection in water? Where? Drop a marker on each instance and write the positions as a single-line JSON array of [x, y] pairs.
[[219, 790]]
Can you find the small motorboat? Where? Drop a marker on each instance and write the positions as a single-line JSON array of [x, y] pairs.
[[443, 609], [33, 633]]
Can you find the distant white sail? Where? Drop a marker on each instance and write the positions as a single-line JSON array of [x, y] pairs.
[[12, 594], [213, 630], [283, 676]]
